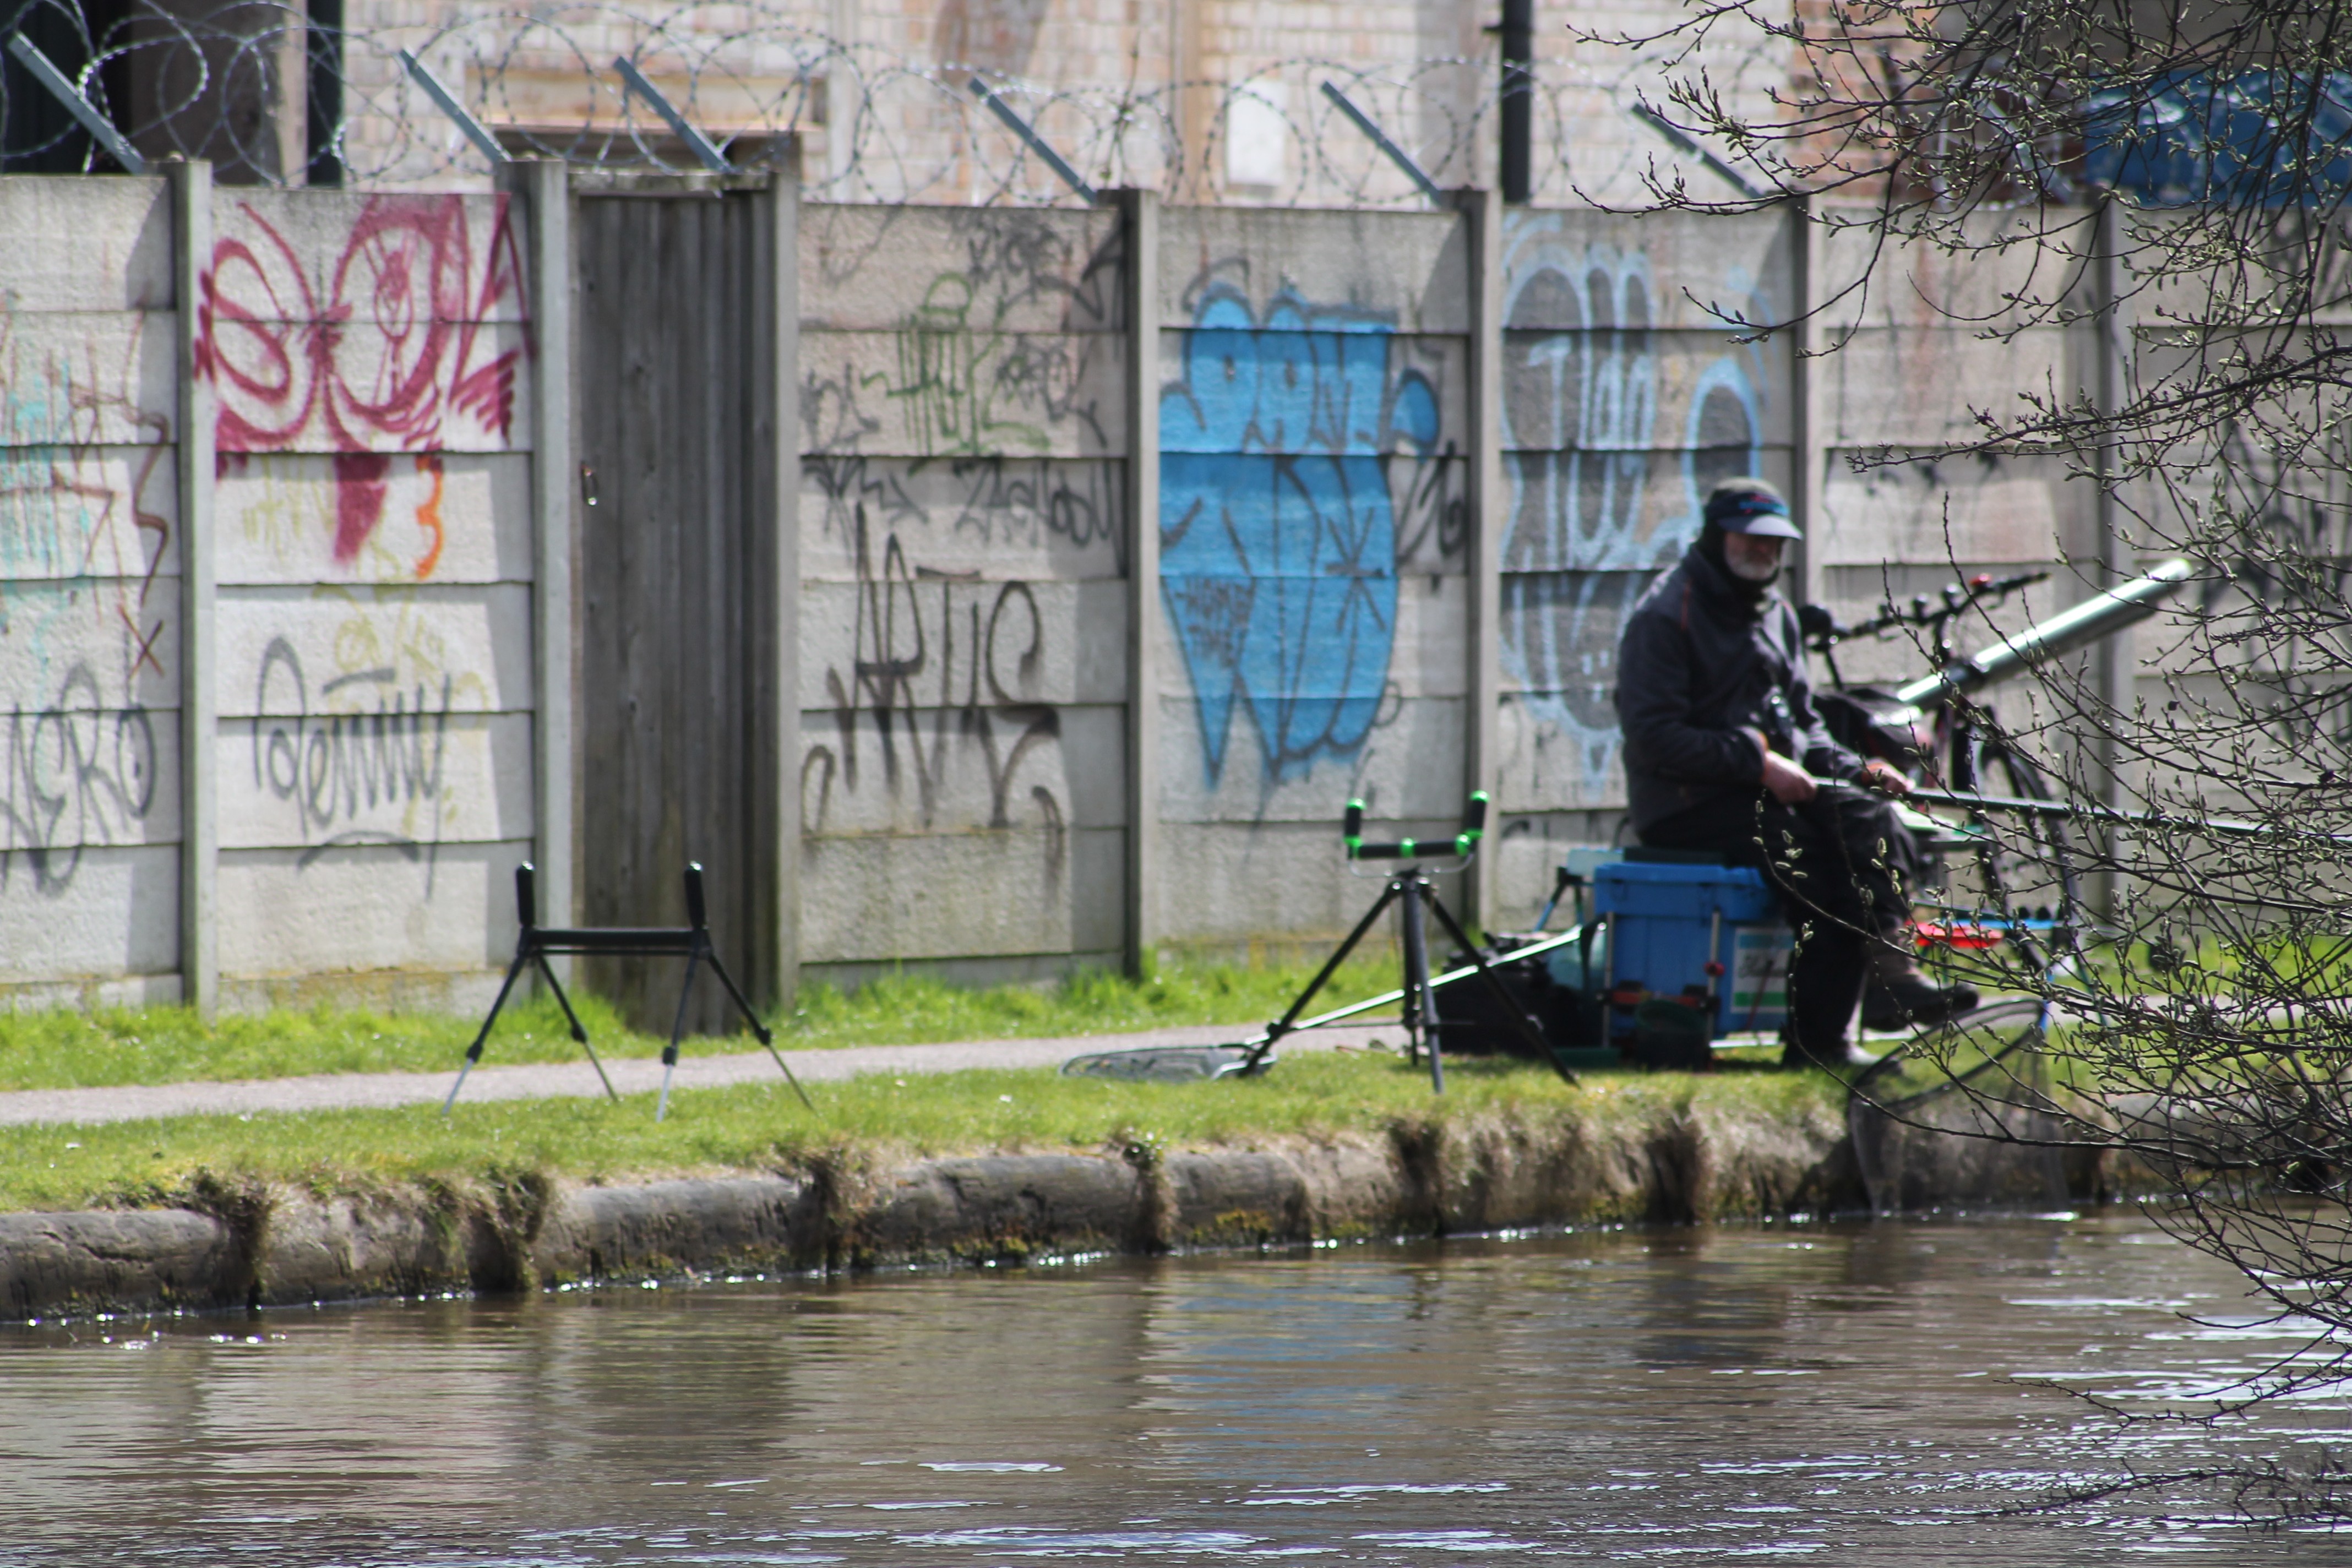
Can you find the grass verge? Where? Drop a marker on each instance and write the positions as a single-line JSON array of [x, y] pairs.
[[70, 1048], [754, 1127]]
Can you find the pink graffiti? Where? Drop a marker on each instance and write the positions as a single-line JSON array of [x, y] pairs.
[[390, 350], [361, 480]]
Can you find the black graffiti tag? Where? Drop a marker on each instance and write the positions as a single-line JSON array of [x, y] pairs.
[[79, 774], [980, 706], [334, 766]]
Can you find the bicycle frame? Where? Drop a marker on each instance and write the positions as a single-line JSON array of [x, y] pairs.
[[1948, 736]]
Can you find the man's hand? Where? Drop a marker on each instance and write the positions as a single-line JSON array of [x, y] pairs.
[[1789, 785], [1882, 775]]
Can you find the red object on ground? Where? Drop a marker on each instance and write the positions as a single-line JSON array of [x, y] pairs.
[[1971, 937]]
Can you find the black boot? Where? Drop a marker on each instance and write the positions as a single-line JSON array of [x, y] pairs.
[[1900, 998]]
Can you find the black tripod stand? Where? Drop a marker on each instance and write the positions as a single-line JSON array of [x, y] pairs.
[[690, 941], [1410, 884]]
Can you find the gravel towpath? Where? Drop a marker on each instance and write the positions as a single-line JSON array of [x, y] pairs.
[[634, 1075]]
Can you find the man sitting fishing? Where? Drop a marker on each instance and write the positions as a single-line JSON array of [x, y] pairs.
[[1725, 753]]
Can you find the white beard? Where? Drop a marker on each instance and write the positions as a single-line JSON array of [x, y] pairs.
[[1751, 571]]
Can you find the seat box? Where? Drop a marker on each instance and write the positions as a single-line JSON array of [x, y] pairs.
[[1661, 916], [1677, 890]]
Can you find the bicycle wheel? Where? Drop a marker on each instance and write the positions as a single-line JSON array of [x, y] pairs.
[[2040, 863], [2017, 872]]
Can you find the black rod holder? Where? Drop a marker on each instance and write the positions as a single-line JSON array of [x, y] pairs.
[[1410, 886], [690, 941]]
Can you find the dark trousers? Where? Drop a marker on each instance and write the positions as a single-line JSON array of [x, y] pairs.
[[1834, 860]]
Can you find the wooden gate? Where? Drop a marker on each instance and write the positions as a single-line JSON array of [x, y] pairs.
[[682, 633]]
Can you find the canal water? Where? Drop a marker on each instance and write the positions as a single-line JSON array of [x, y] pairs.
[[1850, 1394]]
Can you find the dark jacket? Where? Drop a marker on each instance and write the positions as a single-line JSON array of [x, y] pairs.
[[1698, 663]]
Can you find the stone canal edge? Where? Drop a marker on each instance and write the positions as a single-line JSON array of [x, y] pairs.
[[259, 1246]]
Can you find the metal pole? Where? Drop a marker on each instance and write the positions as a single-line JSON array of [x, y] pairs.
[[192, 219], [474, 1051], [577, 1033], [1528, 1030], [1030, 139], [1809, 455], [1481, 223], [1141, 214], [447, 103], [1284, 1024], [1396, 155], [1420, 1010], [62, 88], [2079, 811], [780, 419], [1690, 149], [696, 141], [2102, 615], [2117, 665], [547, 196], [676, 1031], [1519, 30], [323, 96]]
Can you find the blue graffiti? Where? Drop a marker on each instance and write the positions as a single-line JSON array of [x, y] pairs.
[[1278, 538], [1580, 410], [1604, 485]]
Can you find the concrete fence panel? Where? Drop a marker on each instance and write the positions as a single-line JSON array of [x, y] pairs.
[[373, 679], [1638, 369], [963, 422], [90, 656], [1314, 437]]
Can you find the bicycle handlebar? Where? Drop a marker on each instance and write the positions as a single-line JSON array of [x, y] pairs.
[[1473, 827], [1822, 633]]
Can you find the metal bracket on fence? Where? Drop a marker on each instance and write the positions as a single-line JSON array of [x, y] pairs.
[[62, 88], [1689, 149], [484, 143], [697, 142], [1030, 139], [1396, 155]]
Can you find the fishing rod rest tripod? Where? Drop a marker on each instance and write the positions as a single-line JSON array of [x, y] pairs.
[[690, 941], [1410, 886]]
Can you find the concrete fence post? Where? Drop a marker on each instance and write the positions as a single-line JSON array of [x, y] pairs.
[[192, 249], [1140, 211], [1808, 457], [555, 491], [782, 420], [1481, 219]]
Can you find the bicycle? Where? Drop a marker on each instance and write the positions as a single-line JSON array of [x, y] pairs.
[[2027, 888], [2028, 882]]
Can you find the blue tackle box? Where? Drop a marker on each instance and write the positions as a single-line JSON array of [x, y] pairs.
[[1667, 919]]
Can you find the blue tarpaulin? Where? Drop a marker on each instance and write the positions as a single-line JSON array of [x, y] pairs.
[[2252, 139]]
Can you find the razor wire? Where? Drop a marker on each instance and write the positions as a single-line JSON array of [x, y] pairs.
[[272, 97]]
